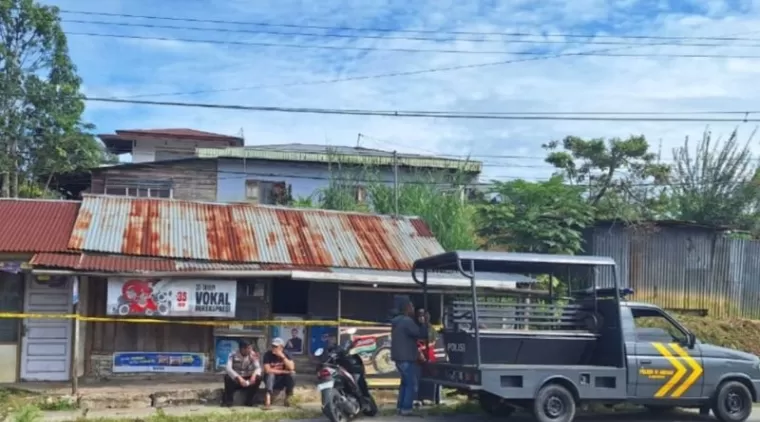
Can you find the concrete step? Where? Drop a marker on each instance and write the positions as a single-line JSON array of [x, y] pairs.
[[130, 399]]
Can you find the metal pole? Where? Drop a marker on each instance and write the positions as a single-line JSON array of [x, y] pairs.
[[75, 350], [395, 182], [340, 294], [475, 317]]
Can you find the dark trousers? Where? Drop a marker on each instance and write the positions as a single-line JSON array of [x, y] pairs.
[[277, 382], [231, 385]]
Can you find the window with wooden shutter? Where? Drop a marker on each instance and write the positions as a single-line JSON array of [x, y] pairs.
[[252, 191]]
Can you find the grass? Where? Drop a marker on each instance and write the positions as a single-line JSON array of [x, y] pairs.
[[31, 413]]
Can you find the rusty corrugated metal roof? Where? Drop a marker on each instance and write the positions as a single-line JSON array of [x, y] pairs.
[[248, 233], [33, 225], [131, 264]]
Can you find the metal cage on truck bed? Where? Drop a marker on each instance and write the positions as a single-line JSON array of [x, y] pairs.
[[532, 330]]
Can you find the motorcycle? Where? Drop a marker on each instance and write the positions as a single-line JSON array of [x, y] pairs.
[[342, 383]]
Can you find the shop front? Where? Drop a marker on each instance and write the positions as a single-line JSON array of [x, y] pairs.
[[136, 344]]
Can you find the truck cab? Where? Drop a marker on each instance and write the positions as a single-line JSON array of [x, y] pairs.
[[668, 365], [547, 353]]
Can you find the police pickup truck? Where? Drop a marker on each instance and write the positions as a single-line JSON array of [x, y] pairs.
[[590, 345]]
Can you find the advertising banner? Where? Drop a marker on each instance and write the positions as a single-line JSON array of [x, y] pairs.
[[373, 344], [171, 297], [292, 335], [168, 362]]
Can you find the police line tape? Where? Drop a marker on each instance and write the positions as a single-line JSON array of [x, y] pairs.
[[227, 323]]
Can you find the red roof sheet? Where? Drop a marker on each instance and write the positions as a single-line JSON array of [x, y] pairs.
[[248, 233], [28, 225], [180, 133]]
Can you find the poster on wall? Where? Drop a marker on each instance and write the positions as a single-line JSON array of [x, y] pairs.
[[292, 334], [321, 337], [223, 347], [171, 297], [373, 345], [168, 362]]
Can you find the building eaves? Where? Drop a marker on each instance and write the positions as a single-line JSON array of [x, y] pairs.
[[355, 157]]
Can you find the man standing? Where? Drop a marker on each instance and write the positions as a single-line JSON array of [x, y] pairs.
[[243, 371], [278, 372], [405, 333]]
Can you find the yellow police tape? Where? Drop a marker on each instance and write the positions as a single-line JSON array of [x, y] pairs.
[[224, 323]]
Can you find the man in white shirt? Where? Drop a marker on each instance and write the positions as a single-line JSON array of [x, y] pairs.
[[243, 372]]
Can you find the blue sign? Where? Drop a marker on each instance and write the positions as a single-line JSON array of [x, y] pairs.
[[320, 337], [173, 362], [225, 346]]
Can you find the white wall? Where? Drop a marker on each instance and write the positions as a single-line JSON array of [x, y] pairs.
[[144, 150], [9, 358], [304, 178]]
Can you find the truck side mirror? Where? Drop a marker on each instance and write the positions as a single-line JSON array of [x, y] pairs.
[[691, 340]]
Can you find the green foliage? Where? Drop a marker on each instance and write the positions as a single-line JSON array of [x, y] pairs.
[[41, 127], [29, 413], [718, 185], [617, 174], [535, 216]]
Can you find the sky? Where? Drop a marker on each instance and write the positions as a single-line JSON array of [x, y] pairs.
[[223, 72]]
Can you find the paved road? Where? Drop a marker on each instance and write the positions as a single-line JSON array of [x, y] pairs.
[[617, 417]]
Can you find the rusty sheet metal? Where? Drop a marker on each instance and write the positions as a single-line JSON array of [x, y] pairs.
[[130, 264], [249, 233], [30, 225]]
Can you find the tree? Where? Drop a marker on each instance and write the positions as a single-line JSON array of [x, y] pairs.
[[617, 173], [716, 185], [545, 217], [439, 203], [41, 127]]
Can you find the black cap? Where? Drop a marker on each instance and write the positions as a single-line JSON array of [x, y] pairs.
[[243, 344], [402, 302]]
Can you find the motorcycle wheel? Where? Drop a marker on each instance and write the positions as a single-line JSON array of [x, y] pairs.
[[331, 408], [371, 409], [381, 361]]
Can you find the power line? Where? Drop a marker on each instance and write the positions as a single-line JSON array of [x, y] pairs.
[[408, 50], [389, 37], [402, 73], [408, 31], [415, 114]]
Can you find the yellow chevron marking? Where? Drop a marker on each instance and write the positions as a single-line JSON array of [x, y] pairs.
[[696, 371], [680, 370]]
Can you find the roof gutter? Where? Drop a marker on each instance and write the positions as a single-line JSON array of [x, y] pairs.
[[170, 274]]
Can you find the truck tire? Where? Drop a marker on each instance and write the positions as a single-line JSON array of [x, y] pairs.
[[554, 403], [494, 405], [732, 402]]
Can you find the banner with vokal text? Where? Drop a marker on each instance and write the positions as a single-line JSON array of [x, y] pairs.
[[171, 297]]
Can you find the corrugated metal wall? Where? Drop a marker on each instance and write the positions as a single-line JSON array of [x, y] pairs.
[[683, 267]]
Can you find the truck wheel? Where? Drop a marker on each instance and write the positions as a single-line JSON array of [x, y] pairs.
[[554, 403], [732, 403], [494, 405]]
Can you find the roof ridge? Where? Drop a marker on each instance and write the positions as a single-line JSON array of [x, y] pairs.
[[243, 204]]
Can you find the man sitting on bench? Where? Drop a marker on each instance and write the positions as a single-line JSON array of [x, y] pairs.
[[278, 372]]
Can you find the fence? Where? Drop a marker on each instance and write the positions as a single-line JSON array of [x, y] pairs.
[[683, 267]]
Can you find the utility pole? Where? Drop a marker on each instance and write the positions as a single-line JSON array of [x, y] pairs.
[[358, 140], [395, 182]]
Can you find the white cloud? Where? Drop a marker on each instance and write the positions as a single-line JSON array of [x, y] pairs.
[[113, 67]]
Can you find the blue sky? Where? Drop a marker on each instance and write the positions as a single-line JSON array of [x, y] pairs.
[[117, 67]]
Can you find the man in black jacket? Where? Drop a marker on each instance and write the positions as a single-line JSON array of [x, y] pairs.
[[405, 332]]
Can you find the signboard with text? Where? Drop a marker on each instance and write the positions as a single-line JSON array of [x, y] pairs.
[[171, 362], [171, 297]]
